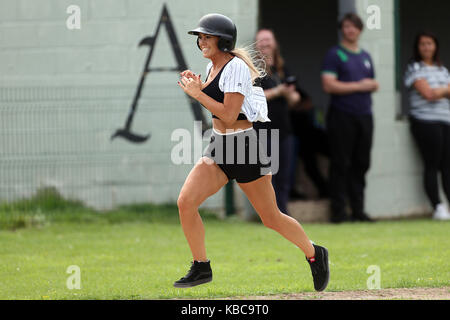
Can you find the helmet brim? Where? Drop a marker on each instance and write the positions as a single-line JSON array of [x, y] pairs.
[[199, 30]]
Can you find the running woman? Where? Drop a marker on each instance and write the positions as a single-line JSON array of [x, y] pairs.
[[228, 93]]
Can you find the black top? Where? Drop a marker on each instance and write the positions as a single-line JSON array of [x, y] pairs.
[[278, 110], [213, 90]]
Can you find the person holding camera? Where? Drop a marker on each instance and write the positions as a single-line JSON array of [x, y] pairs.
[[281, 94]]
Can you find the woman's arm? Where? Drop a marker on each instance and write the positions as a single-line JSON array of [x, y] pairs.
[[430, 94], [283, 90], [228, 111], [273, 93]]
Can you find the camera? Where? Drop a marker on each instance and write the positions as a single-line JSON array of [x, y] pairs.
[[291, 80]]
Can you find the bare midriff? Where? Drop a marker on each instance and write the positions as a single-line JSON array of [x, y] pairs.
[[218, 125]]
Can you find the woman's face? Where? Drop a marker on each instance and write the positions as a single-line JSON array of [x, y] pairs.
[[427, 48], [208, 45], [265, 42]]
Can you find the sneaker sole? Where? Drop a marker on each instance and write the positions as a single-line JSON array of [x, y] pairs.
[[441, 218], [192, 284], [328, 274]]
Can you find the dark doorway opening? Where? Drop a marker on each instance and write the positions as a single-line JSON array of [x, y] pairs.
[[305, 31]]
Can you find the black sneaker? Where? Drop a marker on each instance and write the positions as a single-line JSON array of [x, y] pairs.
[[199, 273], [362, 217], [320, 268], [339, 218]]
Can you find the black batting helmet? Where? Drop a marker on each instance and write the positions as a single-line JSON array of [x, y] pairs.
[[218, 25]]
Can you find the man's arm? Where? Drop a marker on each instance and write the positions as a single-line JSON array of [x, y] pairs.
[[332, 85]]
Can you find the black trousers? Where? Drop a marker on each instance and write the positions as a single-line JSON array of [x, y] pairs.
[[433, 140], [350, 142]]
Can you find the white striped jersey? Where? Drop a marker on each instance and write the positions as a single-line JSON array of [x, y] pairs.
[[236, 77], [420, 108]]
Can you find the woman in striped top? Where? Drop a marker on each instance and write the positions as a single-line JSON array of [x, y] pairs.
[[428, 82]]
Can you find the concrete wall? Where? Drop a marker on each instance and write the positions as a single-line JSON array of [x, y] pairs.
[[63, 93]]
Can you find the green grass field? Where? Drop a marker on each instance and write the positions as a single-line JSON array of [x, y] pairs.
[[136, 252]]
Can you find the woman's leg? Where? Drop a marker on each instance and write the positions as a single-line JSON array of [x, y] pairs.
[[262, 196], [203, 181], [428, 137]]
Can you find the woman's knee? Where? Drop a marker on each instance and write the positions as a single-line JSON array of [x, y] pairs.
[[271, 220], [185, 204]]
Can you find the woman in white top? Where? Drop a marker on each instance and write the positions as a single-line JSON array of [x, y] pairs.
[[228, 93], [428, 82]]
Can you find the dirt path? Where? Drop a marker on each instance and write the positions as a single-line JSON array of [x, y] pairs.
[[383, 294]]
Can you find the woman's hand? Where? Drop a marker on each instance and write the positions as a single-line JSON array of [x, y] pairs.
[[428, 93], [282, 90], [288, 90], [187, 74], [291, 95], [191, 85]]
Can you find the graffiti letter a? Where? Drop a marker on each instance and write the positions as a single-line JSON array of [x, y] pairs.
[[150, 41]]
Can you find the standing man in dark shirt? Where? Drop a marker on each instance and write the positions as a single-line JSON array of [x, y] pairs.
[[348, 76], [280, 96]]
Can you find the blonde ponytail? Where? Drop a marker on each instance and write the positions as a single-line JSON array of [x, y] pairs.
[[254, 61]]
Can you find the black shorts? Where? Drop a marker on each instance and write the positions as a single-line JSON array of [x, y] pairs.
[[240, 155]]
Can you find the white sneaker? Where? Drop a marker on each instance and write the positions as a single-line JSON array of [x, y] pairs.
[[441, 213]]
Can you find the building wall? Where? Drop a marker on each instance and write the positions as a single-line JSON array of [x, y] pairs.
[[63, 93]]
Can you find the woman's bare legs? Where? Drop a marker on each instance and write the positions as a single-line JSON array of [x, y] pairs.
[[204, 180], [262, 196]]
